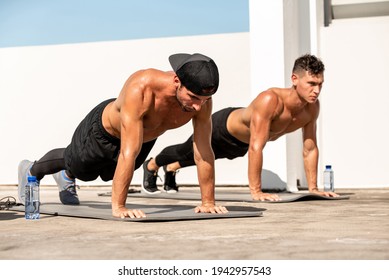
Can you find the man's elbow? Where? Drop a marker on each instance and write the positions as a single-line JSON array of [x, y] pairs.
[[310, 151], [208, 158]]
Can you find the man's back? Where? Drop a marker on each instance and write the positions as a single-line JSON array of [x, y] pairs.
[[149, 95]]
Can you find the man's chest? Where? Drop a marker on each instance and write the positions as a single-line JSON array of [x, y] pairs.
[[288, 122]]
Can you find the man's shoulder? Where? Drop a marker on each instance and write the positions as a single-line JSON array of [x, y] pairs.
[[154, 71], [268, 97], [148, 72], [148, 79]]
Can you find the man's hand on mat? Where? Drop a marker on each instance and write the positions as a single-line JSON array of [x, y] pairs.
[[211, 209], [124, 212], [327, 194], [265, 196]]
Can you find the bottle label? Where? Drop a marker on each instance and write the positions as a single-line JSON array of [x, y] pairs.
[[328, 181], [32, 201]]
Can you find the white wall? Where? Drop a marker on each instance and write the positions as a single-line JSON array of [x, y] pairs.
[[267, 68], [352, 126], [355, 100], [45, 91], [281, 31]]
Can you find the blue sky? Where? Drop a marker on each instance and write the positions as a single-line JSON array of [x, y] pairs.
[[46, 22]]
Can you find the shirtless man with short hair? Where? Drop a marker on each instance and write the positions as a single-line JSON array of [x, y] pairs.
[[115, 138], [270, 115]]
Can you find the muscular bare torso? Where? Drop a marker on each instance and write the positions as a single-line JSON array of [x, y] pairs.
[[156, 104], [288, 116]]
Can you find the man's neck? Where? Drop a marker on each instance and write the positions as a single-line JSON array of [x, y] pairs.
[[294, 102]]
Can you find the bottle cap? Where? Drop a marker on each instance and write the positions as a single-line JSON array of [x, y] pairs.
[[328, 166], [31, 178]]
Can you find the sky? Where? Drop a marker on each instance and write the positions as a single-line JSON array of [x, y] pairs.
[[47, 22]]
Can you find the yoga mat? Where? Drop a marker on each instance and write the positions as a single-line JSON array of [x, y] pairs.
[[154, 213], [226, 195]]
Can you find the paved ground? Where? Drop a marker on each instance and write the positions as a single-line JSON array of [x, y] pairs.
[[354, 229]]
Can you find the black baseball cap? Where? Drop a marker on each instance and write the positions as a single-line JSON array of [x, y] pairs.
[[197, 72]]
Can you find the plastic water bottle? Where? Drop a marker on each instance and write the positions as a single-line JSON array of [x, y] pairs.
[[31, 204], [328, 179]]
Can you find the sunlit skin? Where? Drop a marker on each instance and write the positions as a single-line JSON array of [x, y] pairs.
[[150, 103], [272, 114], [308, 86], [189, 101]]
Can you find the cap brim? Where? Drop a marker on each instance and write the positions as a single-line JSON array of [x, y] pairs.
[[179, 59]]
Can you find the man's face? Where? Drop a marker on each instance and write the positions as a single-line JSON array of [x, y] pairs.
[[189, 101], [308, 86]]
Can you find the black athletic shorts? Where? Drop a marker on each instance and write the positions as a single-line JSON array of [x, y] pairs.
[[225, 145], [94, 152]]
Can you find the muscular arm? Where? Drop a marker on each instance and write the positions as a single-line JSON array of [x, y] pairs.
[[205, 159], [131, 139], [311, 152], [310, 155], [263, 111]]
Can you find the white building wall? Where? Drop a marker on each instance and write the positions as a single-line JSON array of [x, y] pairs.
[[352, 134], [355, 100], [280, 31], [45, 91], [267, 69]]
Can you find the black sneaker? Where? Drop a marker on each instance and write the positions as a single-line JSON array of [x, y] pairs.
[[67, 188], [170, 185], [149, 180], [69, 196]]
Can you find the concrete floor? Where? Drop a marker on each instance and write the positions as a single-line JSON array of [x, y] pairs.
[[354, 229]]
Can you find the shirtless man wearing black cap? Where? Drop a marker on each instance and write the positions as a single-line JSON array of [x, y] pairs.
[[115, 138], [238, 131]]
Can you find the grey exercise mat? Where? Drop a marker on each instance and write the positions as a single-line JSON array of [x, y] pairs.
[[154, 213], [227, 195]]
